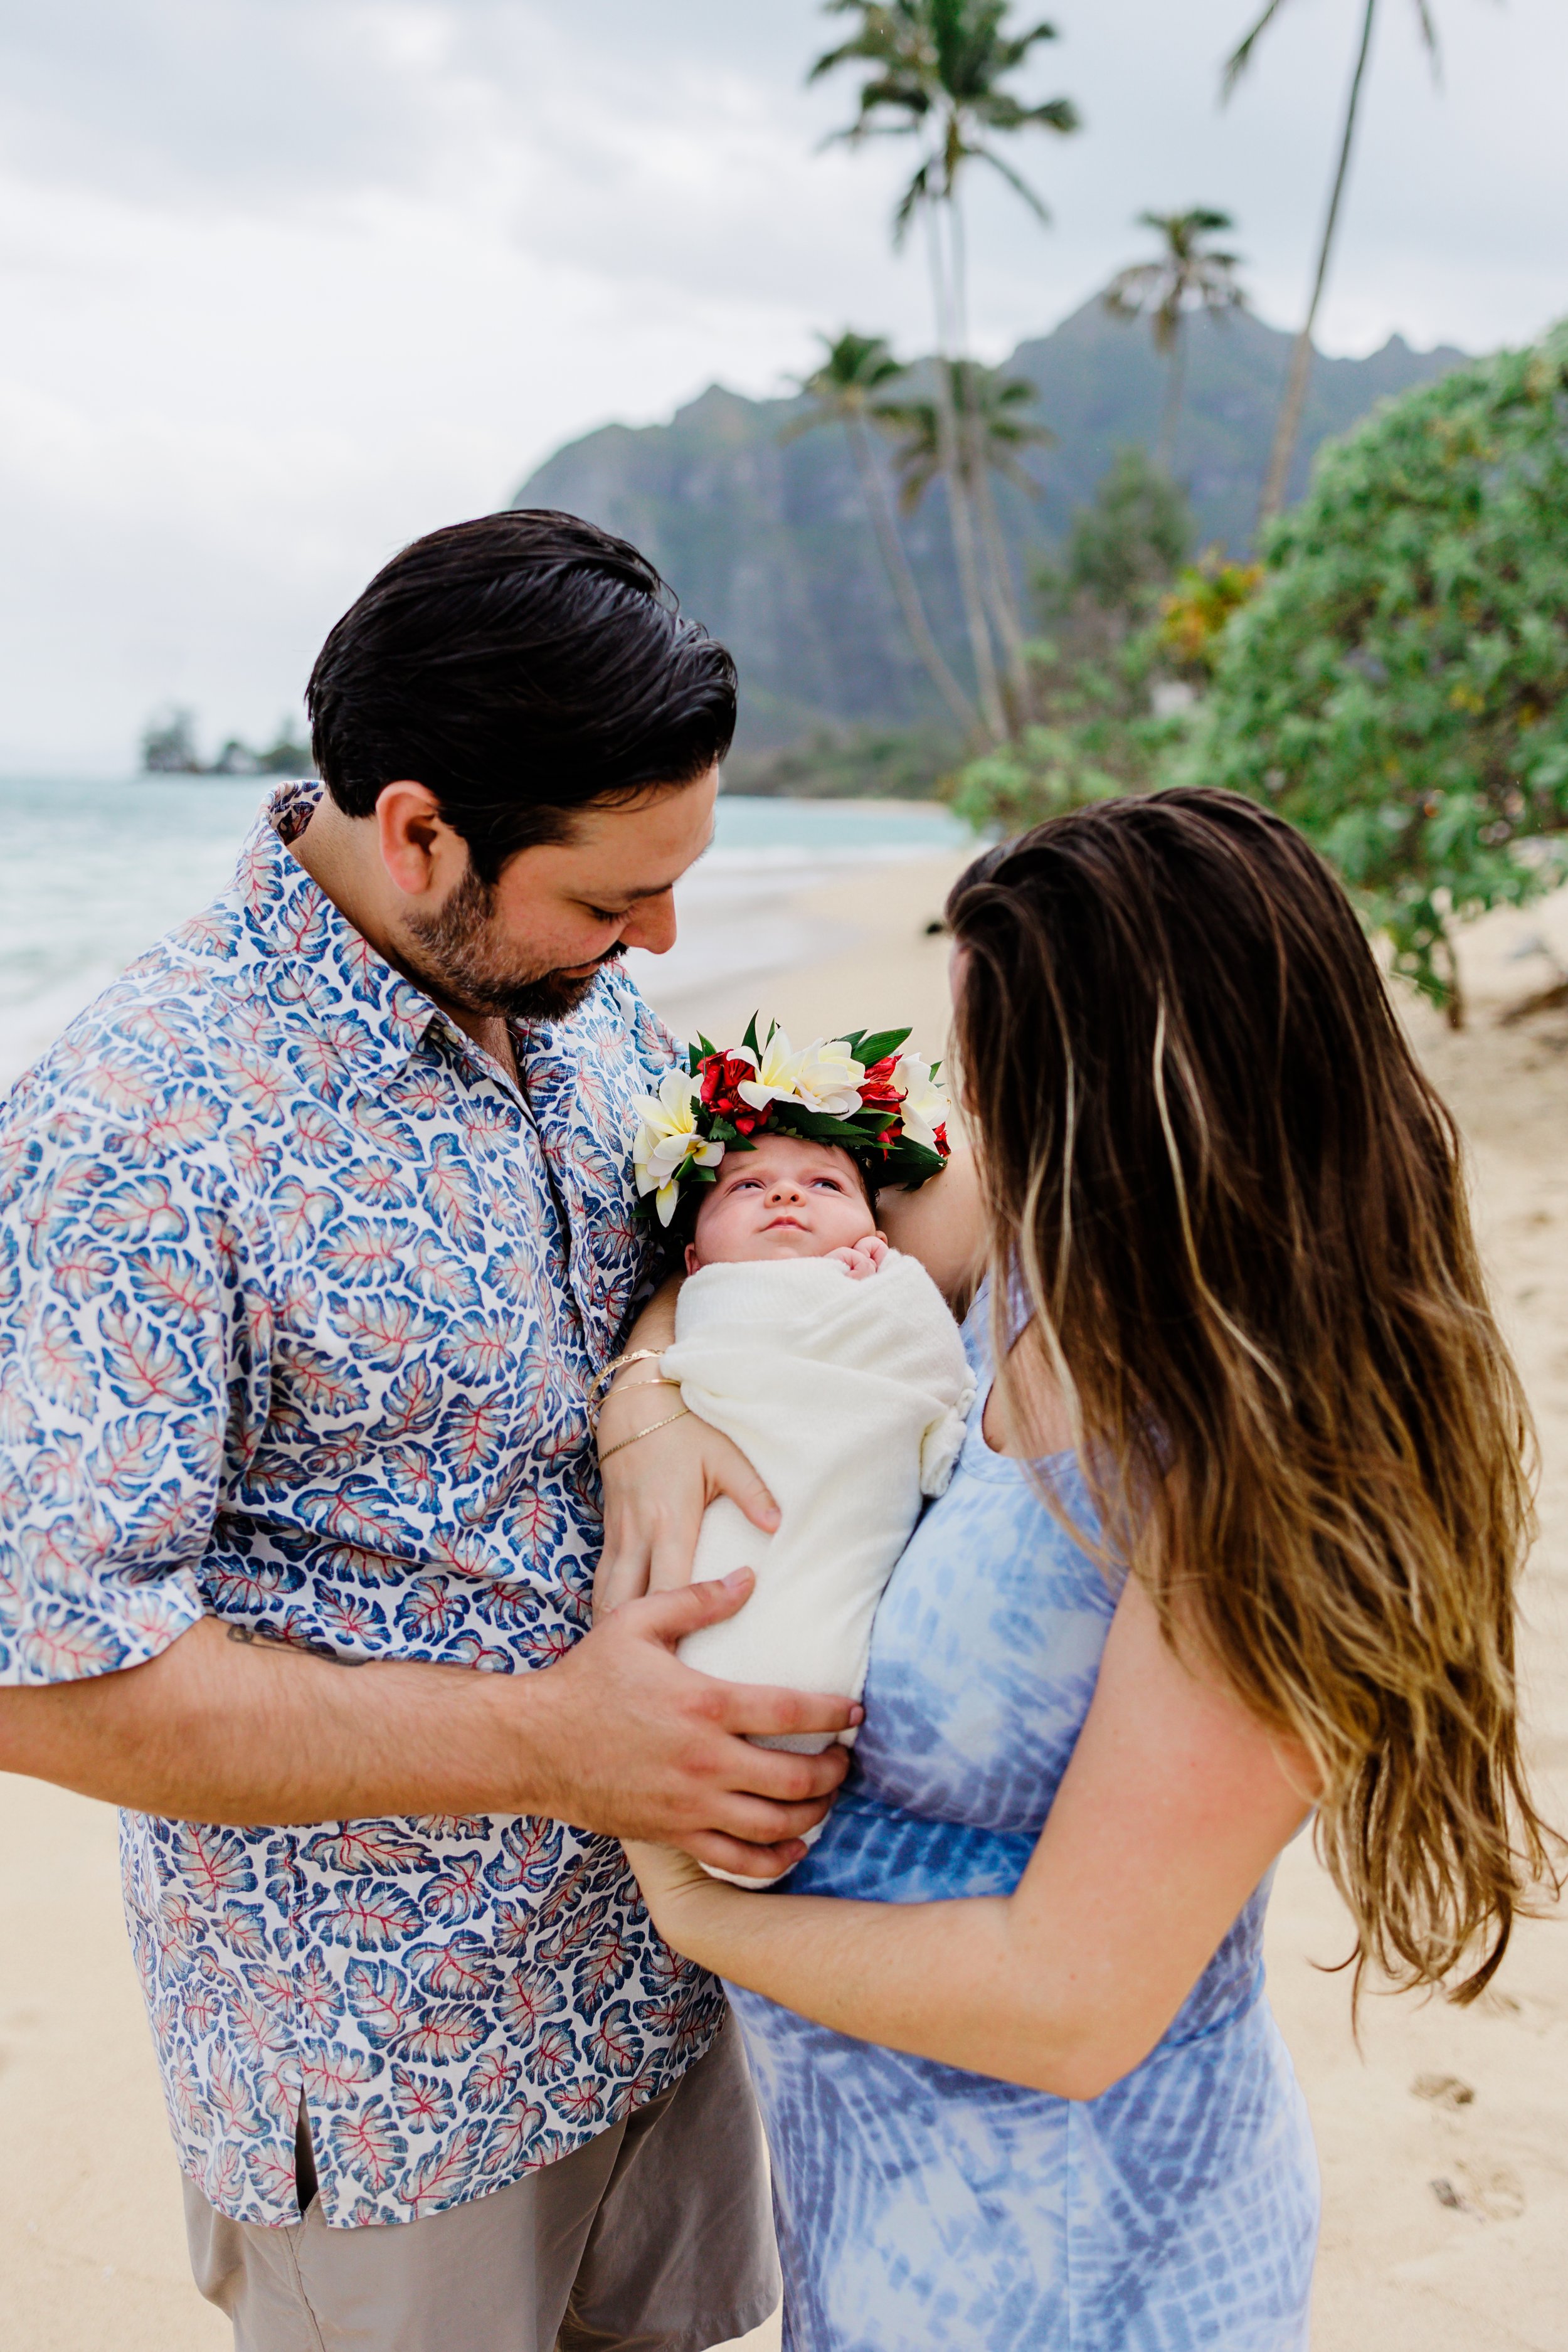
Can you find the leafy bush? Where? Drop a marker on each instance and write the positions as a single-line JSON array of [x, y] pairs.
[[1398, 686]]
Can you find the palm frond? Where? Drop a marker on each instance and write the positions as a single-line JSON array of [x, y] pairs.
[[1240, 57], [1015, 180]]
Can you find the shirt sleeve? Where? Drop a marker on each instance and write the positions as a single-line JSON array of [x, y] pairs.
[[123, 1348]]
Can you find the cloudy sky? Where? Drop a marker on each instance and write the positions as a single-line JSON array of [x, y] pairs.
[[285, 282]]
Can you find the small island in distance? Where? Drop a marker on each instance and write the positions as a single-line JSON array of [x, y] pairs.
[[169, 749]]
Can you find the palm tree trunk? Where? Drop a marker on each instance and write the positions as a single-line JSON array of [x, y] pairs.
[[1175, 379], [1288, 431], [902, 580], [960, 516], [999, 584]]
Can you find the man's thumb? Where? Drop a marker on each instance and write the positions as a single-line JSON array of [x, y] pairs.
[[673, 1615]]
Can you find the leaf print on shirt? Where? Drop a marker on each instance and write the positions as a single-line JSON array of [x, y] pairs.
[[491, 2082], [174, 1286], [357, 1251], [298, 1211], [61, 1366], [379, 1997], [139, 1209], [439, 2034], [355, 1846], [367, 2143], [142, 1364], [336, 2076], [472, 1433], [369, 1917], [213, 1863], [383, 1331], [422, 2101]]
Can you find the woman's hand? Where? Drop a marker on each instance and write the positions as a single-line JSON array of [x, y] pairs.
[[657, 1490], [672, 1885]]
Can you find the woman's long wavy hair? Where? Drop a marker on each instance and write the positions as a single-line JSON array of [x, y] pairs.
[[1237, 1212]]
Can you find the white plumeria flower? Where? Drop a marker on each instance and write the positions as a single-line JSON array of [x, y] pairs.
[[829, 1078], [668, 1142], [778, 1072], [925, 1107]]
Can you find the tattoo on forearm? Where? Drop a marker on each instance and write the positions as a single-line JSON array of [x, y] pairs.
[[267, 1637]]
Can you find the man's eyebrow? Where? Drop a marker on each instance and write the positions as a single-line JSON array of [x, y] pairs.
[[657, 889]]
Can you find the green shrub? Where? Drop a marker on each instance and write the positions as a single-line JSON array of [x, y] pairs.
[[1398, 686]]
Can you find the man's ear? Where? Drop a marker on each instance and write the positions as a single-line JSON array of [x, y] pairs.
[[419, 847]]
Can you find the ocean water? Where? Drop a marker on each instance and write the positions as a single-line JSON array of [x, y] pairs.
[[92, 873]]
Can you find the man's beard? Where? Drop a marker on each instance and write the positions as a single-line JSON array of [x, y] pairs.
[[463, 965]]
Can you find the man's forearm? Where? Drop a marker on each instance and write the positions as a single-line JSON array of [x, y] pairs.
[[616, 1736], [223, 1727]]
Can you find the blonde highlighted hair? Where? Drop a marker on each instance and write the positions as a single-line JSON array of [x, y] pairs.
[[1237, 1210]]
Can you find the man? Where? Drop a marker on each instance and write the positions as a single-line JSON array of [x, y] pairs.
[[315, 1231]]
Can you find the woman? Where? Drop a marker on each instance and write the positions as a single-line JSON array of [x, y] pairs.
[[1236, 1533]]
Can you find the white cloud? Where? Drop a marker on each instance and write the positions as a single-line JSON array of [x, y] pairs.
[[287, 281]]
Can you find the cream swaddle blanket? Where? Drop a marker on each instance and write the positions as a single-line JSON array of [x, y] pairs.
[[848, 1398]]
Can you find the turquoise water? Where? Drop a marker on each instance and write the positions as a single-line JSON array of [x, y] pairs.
[[93, 872]]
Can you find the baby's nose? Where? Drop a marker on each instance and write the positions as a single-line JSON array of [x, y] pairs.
[[782, 1191]]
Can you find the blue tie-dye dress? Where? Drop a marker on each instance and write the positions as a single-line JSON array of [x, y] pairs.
[[925, 2210]]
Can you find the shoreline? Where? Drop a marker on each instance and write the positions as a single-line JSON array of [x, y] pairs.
[[90, 2207]]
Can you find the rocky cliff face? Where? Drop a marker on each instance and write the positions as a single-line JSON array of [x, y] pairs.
[[767, 541]]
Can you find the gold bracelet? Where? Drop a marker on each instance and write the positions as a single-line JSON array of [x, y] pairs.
[[597, 1412], [618, 1364], [621, 1442]]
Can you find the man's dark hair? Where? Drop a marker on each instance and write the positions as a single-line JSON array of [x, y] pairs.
[[524, 666]]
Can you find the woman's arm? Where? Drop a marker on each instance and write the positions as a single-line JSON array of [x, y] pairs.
[[942, 1224], [1174, 1805]]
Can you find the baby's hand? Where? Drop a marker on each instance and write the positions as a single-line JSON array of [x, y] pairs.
[[860, 1259]]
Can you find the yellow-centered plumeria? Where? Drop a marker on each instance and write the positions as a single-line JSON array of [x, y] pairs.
[[667, 1140], [824, 1076]]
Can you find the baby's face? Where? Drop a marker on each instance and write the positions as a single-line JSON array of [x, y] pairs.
[[786, 1199]]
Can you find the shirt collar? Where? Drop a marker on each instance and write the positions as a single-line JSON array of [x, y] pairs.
[[288, 919]]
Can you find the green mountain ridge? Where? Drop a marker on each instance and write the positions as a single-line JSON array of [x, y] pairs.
[[768, 543]]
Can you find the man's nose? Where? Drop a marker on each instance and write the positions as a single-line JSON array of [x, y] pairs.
[[651, 924]]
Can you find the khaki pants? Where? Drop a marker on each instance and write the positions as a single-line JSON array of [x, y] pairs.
[[656, 2236]]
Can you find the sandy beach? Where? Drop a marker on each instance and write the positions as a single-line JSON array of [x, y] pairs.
[[1444, 2139]]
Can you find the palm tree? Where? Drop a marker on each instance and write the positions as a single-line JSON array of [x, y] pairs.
[[937, 74], [1188, 276], [853, 370], [1288, 431], [998, 434]]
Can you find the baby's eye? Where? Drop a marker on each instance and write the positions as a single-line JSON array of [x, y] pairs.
[[832, 1183]]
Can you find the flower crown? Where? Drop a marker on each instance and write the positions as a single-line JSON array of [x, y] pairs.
[[859, 1091]]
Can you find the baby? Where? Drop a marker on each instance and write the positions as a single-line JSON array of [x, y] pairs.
[[830, 1359]]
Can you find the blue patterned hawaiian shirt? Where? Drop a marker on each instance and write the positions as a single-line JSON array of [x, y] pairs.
[[299, 1296]]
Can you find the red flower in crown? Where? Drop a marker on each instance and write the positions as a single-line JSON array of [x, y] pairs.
[[877, 1091], [722, 1075]]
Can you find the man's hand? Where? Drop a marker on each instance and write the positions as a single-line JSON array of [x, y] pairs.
[[860, 1259], [657, 1490], [648, 1749]]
